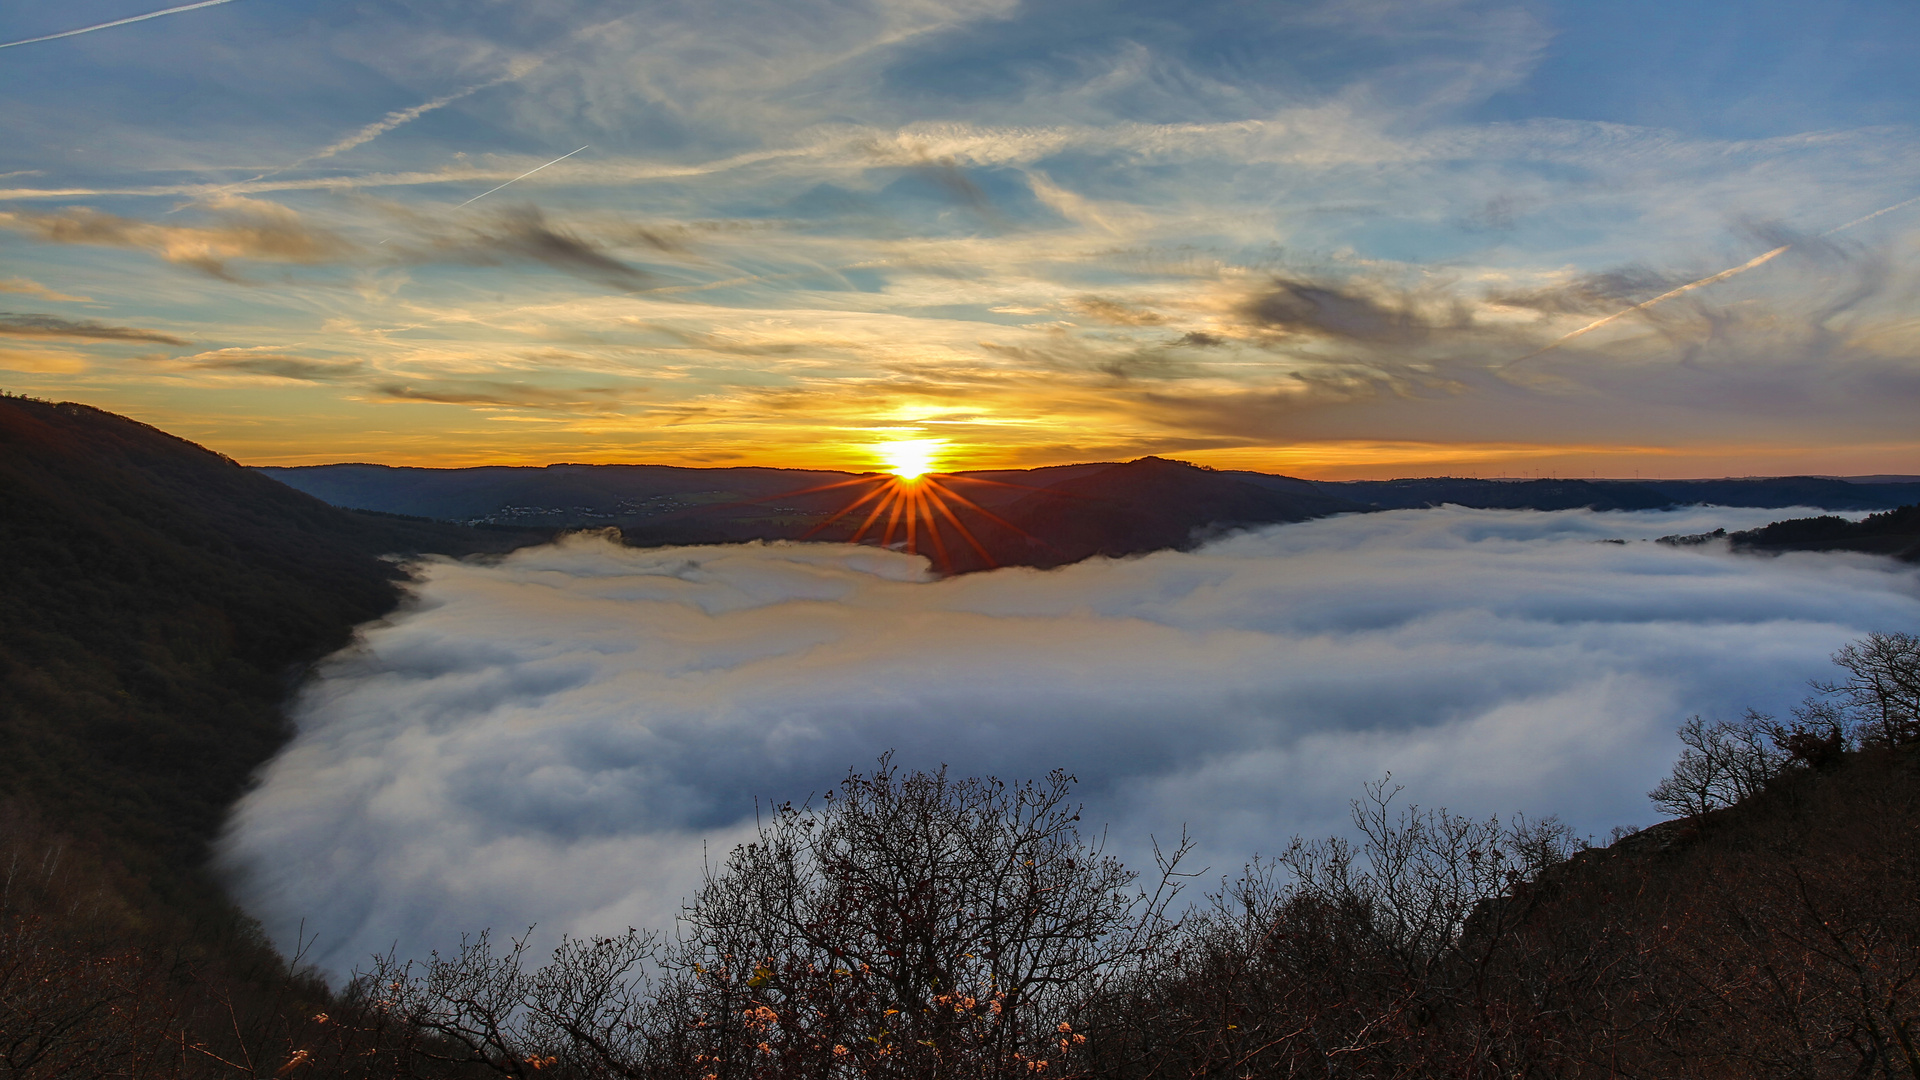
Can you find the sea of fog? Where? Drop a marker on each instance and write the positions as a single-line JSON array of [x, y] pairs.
[[559, 738]]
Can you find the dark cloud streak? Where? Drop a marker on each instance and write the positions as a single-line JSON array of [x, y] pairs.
[[1323, 309], [241, 229], [283, 367], [55, 326], [523, 234], [503, 394]]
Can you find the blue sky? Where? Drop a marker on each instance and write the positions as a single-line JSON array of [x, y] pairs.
[[1322, 238]]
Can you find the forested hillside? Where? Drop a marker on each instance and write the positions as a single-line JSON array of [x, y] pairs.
[[1085, 508], [1895, 533]]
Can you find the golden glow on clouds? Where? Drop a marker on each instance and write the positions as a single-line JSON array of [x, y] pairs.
[[41, 361], [1325, 284]]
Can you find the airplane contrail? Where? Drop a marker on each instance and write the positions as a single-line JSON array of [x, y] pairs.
[[1668, 295], [522, 176], [117, 22], [1711, 279], [377, 128], [1862, 220]]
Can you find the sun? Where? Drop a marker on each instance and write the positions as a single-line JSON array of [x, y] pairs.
[[910, 459], [911, 505]]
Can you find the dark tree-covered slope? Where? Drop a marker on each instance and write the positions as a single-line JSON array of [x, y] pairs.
[[1149, 505], [157, 603], [1503, 494], [1895, 532], [1770, 492], [1825, 492]]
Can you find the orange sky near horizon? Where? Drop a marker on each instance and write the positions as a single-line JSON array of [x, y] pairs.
[[1296, 238], [253, 441]]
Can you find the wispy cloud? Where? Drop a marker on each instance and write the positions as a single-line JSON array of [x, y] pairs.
[[1295, 307], [1115, 312], [1714, 279], [28, 287], [387, 123], [39, 361]]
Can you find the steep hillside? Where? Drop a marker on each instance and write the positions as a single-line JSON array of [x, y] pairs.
[[1776, 937], [157, 602]]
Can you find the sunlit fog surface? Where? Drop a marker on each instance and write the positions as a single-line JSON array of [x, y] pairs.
[[561, 737]]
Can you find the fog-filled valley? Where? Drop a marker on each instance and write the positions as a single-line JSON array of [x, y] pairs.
[[564, 736], [416, 732]]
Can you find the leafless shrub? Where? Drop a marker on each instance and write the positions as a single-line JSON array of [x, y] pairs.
[[91, 988], [1417, 874], [1340, 957], [587, 1010]]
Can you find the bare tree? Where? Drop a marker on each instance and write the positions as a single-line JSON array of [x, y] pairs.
[[1880, 695], [587, 1010], [1876, 704], [1722, 764]]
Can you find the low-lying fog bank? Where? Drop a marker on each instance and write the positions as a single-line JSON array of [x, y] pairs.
[[552, 739]]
